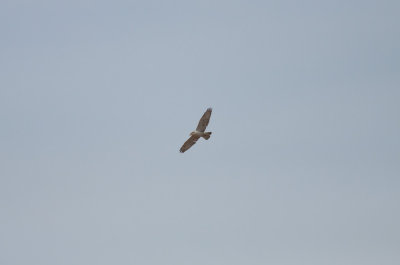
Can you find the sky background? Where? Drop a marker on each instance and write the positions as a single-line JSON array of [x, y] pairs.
[[303, 166]]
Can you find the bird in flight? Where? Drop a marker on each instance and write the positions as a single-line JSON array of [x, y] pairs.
[[199, 132]]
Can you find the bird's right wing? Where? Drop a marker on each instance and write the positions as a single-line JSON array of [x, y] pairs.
[[189, 142], [205, 119]]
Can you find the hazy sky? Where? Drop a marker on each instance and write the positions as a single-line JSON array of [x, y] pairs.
[[303, 166]]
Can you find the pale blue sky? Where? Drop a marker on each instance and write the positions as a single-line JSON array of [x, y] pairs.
[[97, 97]]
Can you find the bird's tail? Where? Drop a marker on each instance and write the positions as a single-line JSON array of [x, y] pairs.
[[207, 135]]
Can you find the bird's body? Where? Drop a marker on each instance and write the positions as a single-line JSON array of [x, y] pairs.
[[205, 135], [199, 132]]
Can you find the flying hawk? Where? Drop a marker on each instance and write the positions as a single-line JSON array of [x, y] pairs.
[[199, 132]]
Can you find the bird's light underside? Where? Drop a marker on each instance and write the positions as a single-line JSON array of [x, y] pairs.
[[199, 132]]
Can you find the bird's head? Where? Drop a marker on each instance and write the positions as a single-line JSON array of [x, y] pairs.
[[192, 133]]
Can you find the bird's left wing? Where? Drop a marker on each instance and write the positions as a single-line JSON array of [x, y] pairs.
[[189, 142], [205, 119]]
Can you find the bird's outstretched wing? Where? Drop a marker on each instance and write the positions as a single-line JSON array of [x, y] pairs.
[[189, 142], [201, 127]]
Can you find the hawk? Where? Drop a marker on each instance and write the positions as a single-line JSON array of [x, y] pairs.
[[199, 132]]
